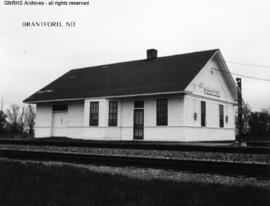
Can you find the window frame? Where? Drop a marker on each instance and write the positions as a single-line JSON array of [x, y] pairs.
[[113, 113], [138, 104], [59, 107], [203, 113], [94, 113], [221, 115], [162, 112]]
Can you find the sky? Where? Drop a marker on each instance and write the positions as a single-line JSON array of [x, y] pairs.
[[121, 30]]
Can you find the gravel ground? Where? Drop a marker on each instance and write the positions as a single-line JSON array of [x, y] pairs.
[[190, 155]]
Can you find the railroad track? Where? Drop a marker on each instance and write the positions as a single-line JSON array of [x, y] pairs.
[[170, 146], [214, 167], [259, 143]]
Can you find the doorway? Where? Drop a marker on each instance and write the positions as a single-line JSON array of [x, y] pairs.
[[59, 120], [138, 122], [59, 124]]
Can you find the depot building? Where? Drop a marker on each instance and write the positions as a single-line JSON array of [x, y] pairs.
[[186, 97]]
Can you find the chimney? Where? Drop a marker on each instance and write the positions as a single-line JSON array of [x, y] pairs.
[[151, 54]]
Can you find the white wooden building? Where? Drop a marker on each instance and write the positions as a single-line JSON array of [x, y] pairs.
[[187, 97]]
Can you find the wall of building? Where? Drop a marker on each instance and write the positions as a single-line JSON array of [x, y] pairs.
[[151, 131], [193, 105], [124, 128], [208, 134], [43, 120], [209, 86], [75, 115], [212, 78], [102, 131], [181, 123], [212, 130], [75, 119]]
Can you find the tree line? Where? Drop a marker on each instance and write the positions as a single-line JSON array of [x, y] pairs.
[[256, 123], [17, 121]]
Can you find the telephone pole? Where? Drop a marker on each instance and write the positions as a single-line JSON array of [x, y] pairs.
[[240, 138]]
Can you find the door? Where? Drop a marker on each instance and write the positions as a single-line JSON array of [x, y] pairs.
[[59, 124], [138, 124]]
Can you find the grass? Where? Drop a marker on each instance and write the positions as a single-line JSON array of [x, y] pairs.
[[38, 184]]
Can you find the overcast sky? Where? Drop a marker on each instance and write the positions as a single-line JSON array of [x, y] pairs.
[[121, 30]]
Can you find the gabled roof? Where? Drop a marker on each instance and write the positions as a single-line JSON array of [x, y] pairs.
[[160, 75]]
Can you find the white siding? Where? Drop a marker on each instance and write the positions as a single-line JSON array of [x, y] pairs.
[[209, 77], [126, 123], [43, 121], [95, 132], [212, 131], [193, 105], [74, 120], [208, 134], [172, 132], [181, 124]]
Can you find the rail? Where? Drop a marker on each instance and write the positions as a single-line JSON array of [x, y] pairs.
[[146, 145]]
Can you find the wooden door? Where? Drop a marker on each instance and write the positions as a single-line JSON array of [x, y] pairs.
[[59, 124], [138, 124]]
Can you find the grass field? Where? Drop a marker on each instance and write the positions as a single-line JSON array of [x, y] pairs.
[[33, 183]]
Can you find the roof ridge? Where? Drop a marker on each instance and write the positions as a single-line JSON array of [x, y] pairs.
[[138, 60]]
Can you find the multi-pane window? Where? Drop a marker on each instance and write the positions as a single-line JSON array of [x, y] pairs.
[[203, 114], [162, 112], [94, 107], [138, 104], [221, 115], [113, 113], [60, 108]]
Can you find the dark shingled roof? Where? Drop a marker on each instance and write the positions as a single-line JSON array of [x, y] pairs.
[[163, 74]]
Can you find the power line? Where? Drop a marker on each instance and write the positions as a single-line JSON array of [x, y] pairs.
[[250, 77], [244, 76], [246, 64]]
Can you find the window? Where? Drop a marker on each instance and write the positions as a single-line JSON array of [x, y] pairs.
[[94, 107], [138, 104], [221, 115], [60, 108], [113, 113], [162, 112], [203, 114]]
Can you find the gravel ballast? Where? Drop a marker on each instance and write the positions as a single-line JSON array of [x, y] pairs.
[[185, 155]]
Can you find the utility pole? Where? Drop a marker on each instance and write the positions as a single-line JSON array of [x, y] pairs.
[[240, 138]]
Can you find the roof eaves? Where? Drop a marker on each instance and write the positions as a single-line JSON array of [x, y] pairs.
[[106, 97]]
